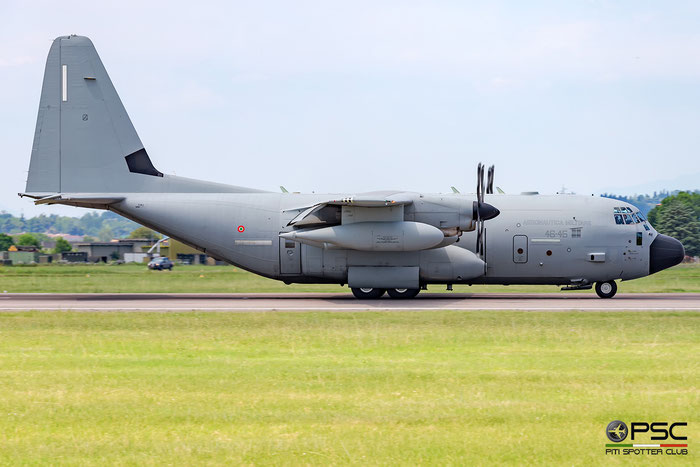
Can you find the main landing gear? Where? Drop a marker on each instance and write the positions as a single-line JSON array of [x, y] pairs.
[[403, 293], [606, 289], [370, 293]]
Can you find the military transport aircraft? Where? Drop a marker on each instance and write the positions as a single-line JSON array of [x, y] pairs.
[[86, 153]]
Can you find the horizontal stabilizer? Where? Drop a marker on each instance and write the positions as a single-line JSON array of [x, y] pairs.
[[81, 200]]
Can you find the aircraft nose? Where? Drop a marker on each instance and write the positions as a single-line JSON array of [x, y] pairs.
[[664, 252]]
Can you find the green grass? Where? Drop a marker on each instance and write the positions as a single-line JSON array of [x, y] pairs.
[[316, 388], [227, 279]]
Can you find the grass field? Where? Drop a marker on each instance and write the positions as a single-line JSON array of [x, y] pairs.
[[226, 279], [317, 388]]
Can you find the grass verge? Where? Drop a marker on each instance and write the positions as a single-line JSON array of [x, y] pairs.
[[316, 388], [132, 278]]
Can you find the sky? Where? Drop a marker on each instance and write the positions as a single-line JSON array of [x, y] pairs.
[[325, 96]]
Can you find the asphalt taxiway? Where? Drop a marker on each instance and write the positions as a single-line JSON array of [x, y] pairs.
[[346, 302]]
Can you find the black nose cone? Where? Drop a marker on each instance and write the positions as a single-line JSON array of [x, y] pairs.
[[664, 252], [487, 211]]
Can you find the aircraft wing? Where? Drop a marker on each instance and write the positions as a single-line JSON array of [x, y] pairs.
[[363, 201]]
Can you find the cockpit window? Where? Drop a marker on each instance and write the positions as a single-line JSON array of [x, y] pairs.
[[624, 216]]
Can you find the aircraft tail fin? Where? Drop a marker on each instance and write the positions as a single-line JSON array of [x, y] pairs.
[[84, 140]]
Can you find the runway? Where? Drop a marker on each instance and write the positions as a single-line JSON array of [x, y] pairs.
[[346, 302]]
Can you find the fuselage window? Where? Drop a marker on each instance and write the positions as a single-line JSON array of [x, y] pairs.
[[618, 219]]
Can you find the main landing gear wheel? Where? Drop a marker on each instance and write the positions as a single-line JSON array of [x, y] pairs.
[[606, 289], [367, 293], [403, 293]]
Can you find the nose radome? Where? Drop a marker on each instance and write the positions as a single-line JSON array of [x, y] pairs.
[[664, 252]]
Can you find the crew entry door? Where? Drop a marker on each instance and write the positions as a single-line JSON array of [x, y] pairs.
[[290, 257], [520, 248]]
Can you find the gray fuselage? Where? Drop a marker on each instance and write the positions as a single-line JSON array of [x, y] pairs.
[[565, 239]]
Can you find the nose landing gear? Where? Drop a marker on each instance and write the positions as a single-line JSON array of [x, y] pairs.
[[606, 289]]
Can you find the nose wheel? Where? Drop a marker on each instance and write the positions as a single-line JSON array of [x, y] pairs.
[[606, 289]]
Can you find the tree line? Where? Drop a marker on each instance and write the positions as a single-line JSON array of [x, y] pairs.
[[27, 239], [105, 225], [679, 217], [61, 244]]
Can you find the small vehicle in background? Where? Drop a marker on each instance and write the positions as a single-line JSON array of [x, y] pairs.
[[160, 263]]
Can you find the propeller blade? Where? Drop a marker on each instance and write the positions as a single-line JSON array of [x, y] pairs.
[[480, 183], [478, 241], [489, 183], [480, 238], [483, 211]]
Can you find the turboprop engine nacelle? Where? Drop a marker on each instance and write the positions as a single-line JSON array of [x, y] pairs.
[[372, 236], [452, 215]]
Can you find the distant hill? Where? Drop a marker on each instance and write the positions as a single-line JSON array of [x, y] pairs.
[[688, 182], [106, 224]]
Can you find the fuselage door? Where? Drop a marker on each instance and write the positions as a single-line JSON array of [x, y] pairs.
[[520, 248], [290, 257]]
